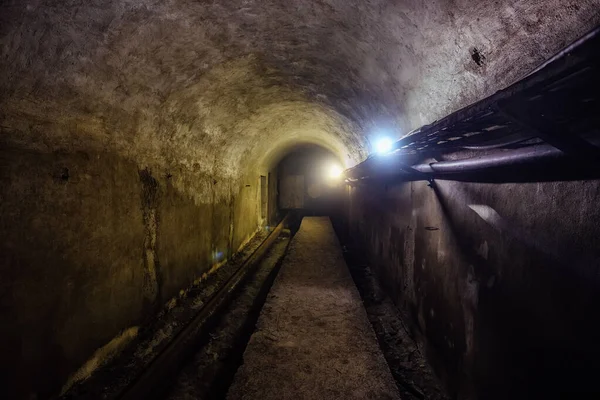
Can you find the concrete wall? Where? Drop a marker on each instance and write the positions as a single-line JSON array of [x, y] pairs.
[[91, 245], [498, 281]]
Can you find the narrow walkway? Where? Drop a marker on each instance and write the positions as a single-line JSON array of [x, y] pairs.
[[313, 339]]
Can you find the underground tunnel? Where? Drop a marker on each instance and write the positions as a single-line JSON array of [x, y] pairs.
[[299, 199]]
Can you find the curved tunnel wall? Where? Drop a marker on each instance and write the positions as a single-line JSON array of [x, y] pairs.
[[130, 131]]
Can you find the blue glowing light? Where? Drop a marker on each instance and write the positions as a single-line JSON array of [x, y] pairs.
[[384, 145]]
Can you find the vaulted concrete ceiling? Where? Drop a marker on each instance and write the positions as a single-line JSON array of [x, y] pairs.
[[220, 86]]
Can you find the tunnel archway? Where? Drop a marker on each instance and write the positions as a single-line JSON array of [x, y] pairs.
[[309, 179]]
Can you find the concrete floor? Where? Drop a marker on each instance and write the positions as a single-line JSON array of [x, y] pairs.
[[313, 339]]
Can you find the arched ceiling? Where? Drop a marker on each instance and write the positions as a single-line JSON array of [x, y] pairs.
[[220, 86]]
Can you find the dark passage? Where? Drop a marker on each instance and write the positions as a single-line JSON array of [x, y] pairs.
[[168, 171]]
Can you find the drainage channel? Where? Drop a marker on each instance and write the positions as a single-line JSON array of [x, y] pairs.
[[414, 377], [210, 372], [155, 379], [214, 328], [195, 356]]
